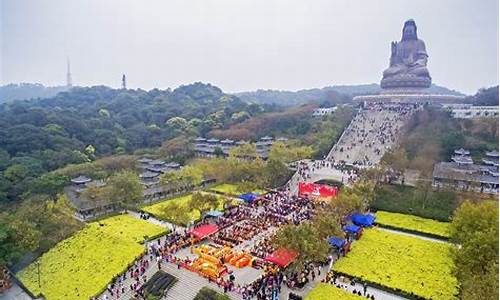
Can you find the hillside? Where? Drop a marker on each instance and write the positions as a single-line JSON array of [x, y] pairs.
[[327, 96], [40, 135], [25, 91]]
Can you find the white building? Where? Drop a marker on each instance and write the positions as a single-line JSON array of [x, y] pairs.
[[324, 111], [467, 111]]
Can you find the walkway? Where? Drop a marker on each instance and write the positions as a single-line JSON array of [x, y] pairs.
[[427, 238], [186, 288], [153, 220]]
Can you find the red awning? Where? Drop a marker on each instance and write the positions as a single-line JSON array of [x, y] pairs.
[[282, 257], [204, 230], [318, 190]]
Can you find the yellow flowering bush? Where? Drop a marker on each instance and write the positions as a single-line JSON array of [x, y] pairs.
[[413, 223], [325, 291], [180, 213], [402, 263], [81, 266]]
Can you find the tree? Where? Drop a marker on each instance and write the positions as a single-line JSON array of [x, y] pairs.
[[191, 176], [305, 241], [282, 152], [49, 184], [475, 228], [176, 213], [17, 237], [179, 149], [203, 202], [124, 188], [245, 151], [365, 189]]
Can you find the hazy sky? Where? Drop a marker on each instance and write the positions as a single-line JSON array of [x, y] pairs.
[[242, 45]]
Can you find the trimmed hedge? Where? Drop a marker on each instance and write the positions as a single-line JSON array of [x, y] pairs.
[[413, 224], [207, 293]]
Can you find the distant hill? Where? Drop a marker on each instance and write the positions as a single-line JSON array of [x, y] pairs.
[[329, 95], [486, 97], [25, 91]]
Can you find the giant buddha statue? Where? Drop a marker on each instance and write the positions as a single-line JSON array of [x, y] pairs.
[[408, 65]]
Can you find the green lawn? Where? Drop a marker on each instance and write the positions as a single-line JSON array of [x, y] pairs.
[[81, 266], [183, 217], [325, 291], [232, 189], [399, 262], [413, 223]]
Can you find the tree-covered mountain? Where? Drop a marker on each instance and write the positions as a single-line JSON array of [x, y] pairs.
[[330, 95], [25, 91], [41, 135], [486, 97]]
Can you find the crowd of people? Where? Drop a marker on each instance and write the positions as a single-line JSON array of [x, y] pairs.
[[348, 285], [371, 133]]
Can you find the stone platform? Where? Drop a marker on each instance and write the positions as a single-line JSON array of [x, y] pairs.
[[416, 97]]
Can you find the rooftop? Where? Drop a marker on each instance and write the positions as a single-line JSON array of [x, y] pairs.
[[81, 179], [462, 151], [470, 173]]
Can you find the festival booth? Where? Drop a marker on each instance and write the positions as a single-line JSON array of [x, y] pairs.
[[203, 231], [342, 246], [363, 220], [353, 231], [317, 191], [249, 197], [213, 215], [282, 257]]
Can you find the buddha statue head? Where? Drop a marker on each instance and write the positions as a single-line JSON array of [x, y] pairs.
[[409, 30]]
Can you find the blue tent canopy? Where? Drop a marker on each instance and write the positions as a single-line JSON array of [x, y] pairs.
[[213, 213], [352, 228], [248, 197], [363, 220], [337, 242]]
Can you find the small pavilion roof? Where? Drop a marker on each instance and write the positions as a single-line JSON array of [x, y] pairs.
[[144, 160], [462, 151], [462, 159], [493, 153], [81, 179], [148, 174], [156, 162]]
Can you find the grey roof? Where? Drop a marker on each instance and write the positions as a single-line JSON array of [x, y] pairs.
[[282, 139], [241, 142], [213, 141], [266, 138], [81, 179], [227, 141], [172, 165], [157, 169], [148, 174], [470, 173], [462, 151], [144, 160], [156, 162], [462, 159], [82, 204], [493, 153], [200, 139]]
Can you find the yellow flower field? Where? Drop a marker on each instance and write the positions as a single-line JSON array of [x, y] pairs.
[[399, 262], [325, 291], [232, 189], [413, 223], [81, 266]]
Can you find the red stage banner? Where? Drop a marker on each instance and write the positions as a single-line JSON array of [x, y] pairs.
[[317, 190]]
